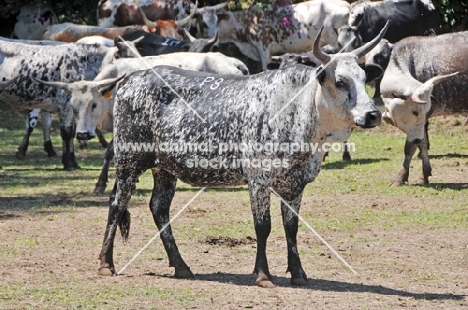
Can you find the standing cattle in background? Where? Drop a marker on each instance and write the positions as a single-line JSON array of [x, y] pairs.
[[380, 56], [411, 95], [326, 106], [62, 62], [407, 18], [286, 29], [32, 20]]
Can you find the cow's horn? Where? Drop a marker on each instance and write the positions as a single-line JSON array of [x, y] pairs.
[[366, 48], [214, 7], [110, 81], [214, 39], [146, 20], [323, 57], [189, 36], [59, 85], [186, 20], [422, 93], [5, 84]]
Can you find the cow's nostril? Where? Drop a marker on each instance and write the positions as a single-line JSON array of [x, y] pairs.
[[84, 136]]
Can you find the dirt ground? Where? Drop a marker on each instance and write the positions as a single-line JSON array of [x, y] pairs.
[[51, 258]]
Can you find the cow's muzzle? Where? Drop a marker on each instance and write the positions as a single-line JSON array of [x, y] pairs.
[[84, 136], [371, 119]]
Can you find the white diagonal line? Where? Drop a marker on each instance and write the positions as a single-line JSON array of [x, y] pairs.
[[313, 230], [160, 231], [135, 52], [311, 80]]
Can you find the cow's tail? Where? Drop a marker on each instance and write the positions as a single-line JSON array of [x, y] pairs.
[[124, 225]]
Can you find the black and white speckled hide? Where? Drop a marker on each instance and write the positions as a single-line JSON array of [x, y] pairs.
[[414, 63], [237, 109], [63, 62]]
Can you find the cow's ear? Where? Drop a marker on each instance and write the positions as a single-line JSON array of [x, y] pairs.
[[373, 72], [321, 74]]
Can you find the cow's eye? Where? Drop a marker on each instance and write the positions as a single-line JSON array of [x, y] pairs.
[[415, 113], [339, 84], [93, 106]]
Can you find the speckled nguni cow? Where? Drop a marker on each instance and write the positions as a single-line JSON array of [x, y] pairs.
[[62, 62], [325, 108]]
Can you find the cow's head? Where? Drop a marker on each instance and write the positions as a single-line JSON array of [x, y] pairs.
[[407, 102], [202, 45], [287, 60], [123, 50], [342, 99], [92, 103], [167, 28], [348, 34], [206, 20]]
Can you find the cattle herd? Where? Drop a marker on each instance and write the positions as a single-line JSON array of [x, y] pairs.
[[160, 72]]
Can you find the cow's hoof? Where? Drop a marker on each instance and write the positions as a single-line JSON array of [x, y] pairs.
[[346, 157], [184, 274], [51, 154], [299, 282], [265, 284], [99, 189], [20, 155], [106, 272]]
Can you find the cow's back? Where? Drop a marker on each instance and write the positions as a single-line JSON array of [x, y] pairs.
[[407, 18], [425, 57]]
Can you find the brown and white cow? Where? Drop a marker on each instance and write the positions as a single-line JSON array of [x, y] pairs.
[[32, 20], [283, 29], [411, 94]]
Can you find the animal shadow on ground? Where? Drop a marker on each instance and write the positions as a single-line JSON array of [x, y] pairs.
[[342, 164], [321, 285], [441, 186], [449, 155]]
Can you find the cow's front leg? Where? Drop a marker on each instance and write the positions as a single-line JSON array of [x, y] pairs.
[[426, 165], [402, 176], [290, 222], [118, 216], [160, 204], [260, 203]]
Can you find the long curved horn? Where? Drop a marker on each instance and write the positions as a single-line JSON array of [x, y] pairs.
[[146, 20], [214, 7], [189, 36], [422, 93], [323, 57], [366, 48], [59, 85], [186, 20], [110, 81], [5, 84]]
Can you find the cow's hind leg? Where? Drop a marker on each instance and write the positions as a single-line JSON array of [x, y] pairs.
[[260, 203], [290, 223], [163, 192], [31, 122], [46, 125], [103, 177], [118, 216]]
